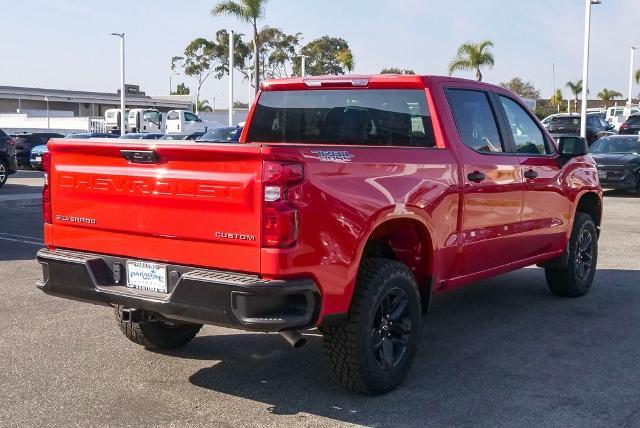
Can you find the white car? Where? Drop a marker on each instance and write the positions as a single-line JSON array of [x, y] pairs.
[[184, 122]]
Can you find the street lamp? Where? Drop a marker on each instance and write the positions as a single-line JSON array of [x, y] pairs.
[[48, 122], [214, 101], [585, 65], [122, 106], [303, 60], [633, 50]]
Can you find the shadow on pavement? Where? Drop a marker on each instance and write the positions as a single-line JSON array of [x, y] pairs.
[[502, 352]]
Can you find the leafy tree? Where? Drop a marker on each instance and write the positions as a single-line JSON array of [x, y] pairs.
[[240, 104], [608, 95], [576, 90], [326, 55], [277, 51], [637, 76], [241, 54], [249, 11], [202, 105], [198, 61], [396, 70], [525, 89], [181, 89], [473, 56], [557, 98]]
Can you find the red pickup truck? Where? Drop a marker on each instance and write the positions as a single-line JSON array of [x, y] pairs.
[[347, 204]]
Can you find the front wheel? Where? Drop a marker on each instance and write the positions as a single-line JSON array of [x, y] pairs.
[[576, 278], [157, 334], [372, 349]]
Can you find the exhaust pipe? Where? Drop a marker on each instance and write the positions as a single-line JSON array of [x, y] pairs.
[[293, 338]]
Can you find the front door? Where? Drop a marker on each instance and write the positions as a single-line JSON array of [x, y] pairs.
[[492, 194], [546, 209]]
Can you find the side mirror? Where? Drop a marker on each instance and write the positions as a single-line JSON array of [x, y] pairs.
[[571, 147]]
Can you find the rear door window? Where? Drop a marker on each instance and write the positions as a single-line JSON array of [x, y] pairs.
[[634, 120], [372, 117], [475, 120]]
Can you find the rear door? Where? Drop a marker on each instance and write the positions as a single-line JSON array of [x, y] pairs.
[[546, 209], [195, 204], [492, 194]]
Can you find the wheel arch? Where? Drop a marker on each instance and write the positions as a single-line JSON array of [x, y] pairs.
[[590, 203]]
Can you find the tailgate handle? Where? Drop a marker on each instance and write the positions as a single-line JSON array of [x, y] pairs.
[[140, 156]]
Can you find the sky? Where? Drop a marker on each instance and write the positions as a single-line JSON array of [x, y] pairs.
[[64, 44]]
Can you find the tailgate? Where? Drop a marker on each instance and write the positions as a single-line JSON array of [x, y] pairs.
[[197, 204]]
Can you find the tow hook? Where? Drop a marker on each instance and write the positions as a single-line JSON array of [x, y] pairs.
[[293, 338]]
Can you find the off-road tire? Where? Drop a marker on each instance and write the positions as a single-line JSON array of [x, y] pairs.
[[568, 282], [4, 172], [157, 334], [348, 343]]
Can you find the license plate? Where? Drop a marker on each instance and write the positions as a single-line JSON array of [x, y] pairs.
[[602, 174], [147, 276], [38, 158]]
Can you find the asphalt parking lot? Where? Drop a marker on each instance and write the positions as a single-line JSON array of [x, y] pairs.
[[504, 352]]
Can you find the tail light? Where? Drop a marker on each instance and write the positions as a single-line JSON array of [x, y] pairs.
[[280, 218], [46, 189], [625, 126]]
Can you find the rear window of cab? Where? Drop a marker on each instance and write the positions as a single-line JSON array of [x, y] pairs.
[[370, 117]]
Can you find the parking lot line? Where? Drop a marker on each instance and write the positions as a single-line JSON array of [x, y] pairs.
[[4, 198], [17, 238]]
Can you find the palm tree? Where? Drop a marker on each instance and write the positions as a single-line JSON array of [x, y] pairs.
[[557, 98], [608, 95], [472, 56], [202, 105], [576, 90], [248, 11]]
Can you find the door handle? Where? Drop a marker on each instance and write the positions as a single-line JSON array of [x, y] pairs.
[[476, 176], [531, 175]]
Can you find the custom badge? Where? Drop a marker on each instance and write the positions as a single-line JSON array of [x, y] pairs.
[[333, 155]]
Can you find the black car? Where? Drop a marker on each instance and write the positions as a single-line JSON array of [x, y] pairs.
[[89, 135], [569, 124], [192, 136], [618, 159], [142, 136], [222, 134], [631, 125], [28, 140], [8, 163]]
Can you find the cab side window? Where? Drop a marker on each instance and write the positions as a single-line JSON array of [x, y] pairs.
[[190, 117], [527, 136], [475, 120]]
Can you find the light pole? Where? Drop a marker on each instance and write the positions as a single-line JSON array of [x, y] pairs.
[[230, 77], [585, 65], [633, 51], [122, 103], [303, 61], [48, 122], [214, 102]]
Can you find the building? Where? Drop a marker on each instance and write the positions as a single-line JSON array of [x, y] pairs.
[[39, 102]]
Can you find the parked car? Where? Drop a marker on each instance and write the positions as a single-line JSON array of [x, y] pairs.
[[8, 162], [89, 135], [26, 141], [191, 136], [631, 125], [142, 136], [183, 122], [618, 160], [570, 125], [545, 122], [36, 156], [222, 134], [347, 204], [616, 116]]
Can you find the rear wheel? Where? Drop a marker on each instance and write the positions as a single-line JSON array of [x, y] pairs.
[[575, 280], [4, 172], [157, 334], [372, 349]]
